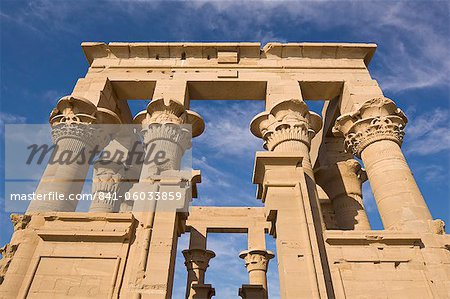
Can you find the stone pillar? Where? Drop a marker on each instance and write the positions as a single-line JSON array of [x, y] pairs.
[[289, 126], [342, 182], [76, 138], [163, 130], [287, 187], [196, 261], [257, 262], [374, 132]]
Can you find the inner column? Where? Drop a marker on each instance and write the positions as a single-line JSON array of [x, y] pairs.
[[287, 188]]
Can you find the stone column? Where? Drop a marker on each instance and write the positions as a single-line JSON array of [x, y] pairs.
[[342, 182], [164, 130], [115, 171], [76, 137], [287, 129], [289, 126], [374, 133], [196, 261], [107, 187], [257, 262]]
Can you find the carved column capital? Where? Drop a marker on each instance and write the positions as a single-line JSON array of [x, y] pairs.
[[256, 259], [108, 186], [197, 259], [288, 121], [342, 177], [161, 111], [164, 125], [107, 177], [73, 110], [376, 119], [78, 110], [77, 118]]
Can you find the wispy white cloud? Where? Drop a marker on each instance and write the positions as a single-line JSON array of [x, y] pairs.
[[212, 175], [412, 35], [52, 96], [433, 173], [9, 118], [225, 151], [428, 133], [227, 130]]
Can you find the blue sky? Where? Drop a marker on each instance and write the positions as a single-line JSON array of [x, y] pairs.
[[41, 60]]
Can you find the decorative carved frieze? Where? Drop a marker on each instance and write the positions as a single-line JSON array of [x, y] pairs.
[[108, 186]]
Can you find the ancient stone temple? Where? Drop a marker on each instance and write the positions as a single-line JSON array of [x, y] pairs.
[[308, 178]]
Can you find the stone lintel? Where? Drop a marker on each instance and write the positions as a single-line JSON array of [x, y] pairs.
[[79, 216], [226, 219], [343, 238]]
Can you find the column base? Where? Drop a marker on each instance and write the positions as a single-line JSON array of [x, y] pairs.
[[202, 291], [252, 291]]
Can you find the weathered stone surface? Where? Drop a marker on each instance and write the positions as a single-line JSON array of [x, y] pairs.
[[309, 185]]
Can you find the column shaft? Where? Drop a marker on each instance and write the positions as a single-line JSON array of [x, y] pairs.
[[342, 181], [163, 130], [397, 195], [67, 180], [350, 213], [374, 132], [75, 137], [257, 262]]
